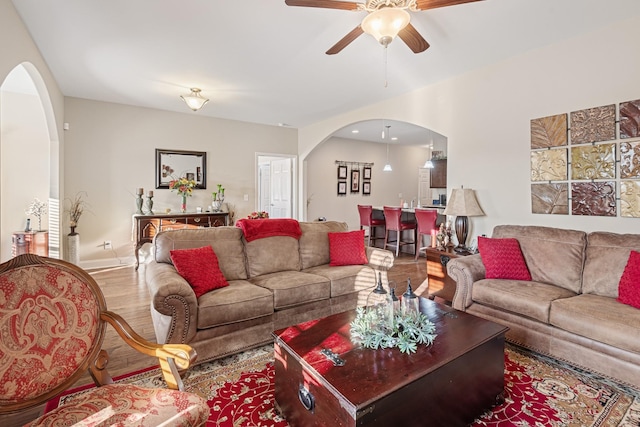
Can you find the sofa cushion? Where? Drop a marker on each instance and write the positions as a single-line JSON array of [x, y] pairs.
[[199, 267], [553, 255], [272, 254], [346, 279], [502, 259], [314, 242], [607, 256], [531, 299], [347, 248], [225, 241], [291, 288], [599, 318], [237, 302], [629, 287]]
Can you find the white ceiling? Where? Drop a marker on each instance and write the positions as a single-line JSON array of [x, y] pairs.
[[264, 62]]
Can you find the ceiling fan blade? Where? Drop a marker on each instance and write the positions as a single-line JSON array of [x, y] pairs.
[[327, 4], [413, 39], [345, 40], [433, 4]]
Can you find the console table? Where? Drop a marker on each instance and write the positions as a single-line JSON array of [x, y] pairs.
[[147, 226]]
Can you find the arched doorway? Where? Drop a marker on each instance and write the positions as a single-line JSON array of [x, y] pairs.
[[28, 158], [360, 145]]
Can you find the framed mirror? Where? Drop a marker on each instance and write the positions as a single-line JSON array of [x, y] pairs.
[[174, 164]]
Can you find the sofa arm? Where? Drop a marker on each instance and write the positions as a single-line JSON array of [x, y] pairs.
[[379, 259], [465, 271], [171, 295]]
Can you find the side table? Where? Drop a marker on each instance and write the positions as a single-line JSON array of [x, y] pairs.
[[30, 242], [437, 272]]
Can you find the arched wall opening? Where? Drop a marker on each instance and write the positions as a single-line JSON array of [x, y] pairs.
[[335, 197], [29, 158]]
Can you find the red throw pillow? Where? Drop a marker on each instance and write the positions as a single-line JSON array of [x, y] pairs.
[[502, 259], [200, 268], [629, 286], [347, 248]]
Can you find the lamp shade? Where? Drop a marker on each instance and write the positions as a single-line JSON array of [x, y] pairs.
[[385, 24], [194, 100], [463, 202]]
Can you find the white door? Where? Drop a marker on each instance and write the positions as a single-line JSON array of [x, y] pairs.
[[264, 188], [281, 177]]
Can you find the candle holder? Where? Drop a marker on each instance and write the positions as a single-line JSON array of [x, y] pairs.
[[150, 205], [139, 204]]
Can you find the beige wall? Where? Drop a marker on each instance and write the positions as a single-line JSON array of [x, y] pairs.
[[17, 48], [24, 162], [110, 151], [486, 115], [385, 186]]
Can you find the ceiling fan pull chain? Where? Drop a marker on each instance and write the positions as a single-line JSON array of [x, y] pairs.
[[384, 56]]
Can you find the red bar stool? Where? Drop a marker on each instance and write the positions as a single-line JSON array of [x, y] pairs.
[[393, 218], [367, 220], [426, 219]]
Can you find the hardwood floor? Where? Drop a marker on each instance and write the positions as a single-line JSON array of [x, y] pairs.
[[126, 294]]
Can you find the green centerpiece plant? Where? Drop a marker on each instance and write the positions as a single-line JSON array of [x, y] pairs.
[[373, 329]]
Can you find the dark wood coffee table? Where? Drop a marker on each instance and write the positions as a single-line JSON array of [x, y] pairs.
[[449, 383]]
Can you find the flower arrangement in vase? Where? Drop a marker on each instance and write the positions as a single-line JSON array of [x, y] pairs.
[[258, 215], [218, 198], [37, 209], [75, 211], [184, 187]]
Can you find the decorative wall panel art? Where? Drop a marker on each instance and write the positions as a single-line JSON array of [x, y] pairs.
[[548, 132], [630, 160], [585, 174], [549, 165], [550, 198], [593, 125], [630, 199], [593, 198], [593, 162], [630, 119]]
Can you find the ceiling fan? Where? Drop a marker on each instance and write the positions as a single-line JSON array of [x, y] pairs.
[[385, 19]]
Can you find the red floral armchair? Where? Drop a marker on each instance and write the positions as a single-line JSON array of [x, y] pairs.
[[53, 318]]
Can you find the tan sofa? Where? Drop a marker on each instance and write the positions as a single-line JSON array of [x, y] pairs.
[[274, 282], [569, 309]]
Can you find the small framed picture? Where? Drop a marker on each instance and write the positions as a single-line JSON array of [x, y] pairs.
[[366, 188], [342, 172], [342, 188], [366, 172], [355, 180]]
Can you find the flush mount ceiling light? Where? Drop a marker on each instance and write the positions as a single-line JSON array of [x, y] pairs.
[[194, 100]]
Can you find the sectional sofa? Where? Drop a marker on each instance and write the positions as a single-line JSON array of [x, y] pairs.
[[274, 282]]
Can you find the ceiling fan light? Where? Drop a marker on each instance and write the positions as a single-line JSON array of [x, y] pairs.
[[194, 100], [385, 24]]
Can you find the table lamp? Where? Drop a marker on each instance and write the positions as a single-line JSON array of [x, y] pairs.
[[462, 203]]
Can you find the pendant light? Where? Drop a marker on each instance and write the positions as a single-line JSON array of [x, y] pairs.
[[387, 166], [429, 163]]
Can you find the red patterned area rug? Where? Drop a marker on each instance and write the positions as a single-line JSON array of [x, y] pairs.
[[540, 392]]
